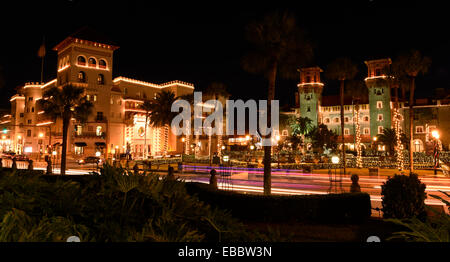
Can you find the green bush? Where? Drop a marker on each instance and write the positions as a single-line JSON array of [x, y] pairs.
[[113, 206], [332, 208], [403, 197]]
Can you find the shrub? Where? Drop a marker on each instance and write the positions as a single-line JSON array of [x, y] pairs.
[[403, 197], [113, 206], [333, 208]]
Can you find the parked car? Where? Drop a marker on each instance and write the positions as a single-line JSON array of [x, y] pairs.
[[90, 160], [21, 158]]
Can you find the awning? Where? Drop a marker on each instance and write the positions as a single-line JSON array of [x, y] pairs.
[[80, 144], [100, 144]]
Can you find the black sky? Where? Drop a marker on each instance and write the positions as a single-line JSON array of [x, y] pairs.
[[202, 43]]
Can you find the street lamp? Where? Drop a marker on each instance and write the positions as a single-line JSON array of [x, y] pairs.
[[436, 136]]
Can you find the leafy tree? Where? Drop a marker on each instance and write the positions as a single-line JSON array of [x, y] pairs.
[[410, 65], [389, 139], [301, 127], [65, 103], [279, 47], [342, 69], [322, 137]]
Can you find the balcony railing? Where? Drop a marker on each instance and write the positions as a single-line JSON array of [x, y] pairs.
[[91, 134]]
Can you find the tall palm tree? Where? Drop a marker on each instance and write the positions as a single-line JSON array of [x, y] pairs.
[[65, 103], [411, 64], [358, 91], [190, 99], [278, 47], [218, 92], [342, 69], [147, 107], [161, 114], [301, 126]]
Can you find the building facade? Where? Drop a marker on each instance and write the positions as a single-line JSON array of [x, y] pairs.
[[376, 110], [116, 126]]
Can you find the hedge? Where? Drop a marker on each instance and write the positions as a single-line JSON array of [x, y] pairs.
[[330, 208]]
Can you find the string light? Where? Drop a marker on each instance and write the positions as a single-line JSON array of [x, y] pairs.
[[400, 160], [358, 141]]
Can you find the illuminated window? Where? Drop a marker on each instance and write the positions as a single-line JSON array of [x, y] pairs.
[[102, 63], [417, 145], [379, 104], [380, 117], [112, 101], [81, 77], [95, 98], [366, 118], [79, 130], [380, 130], [326, 120], [336, 119], [98, 131], [100, 79], [366, 131], [81, 60], [88, 97], [78, 150], [346, 131], [92, 62]]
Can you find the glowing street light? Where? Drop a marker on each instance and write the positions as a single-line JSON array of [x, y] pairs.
[[183, 139], [41, 135], [97, 154], [252, 147], [435, 134], [335, 159]]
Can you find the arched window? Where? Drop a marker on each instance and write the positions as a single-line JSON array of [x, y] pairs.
[[81, 77], [101, 79], [81, 60], [417, 145], [92, 62], [102, 63]]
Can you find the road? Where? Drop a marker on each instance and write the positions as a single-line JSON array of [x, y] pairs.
[[285, 182]]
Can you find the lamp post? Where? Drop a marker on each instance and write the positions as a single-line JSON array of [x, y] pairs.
[[436, 136]]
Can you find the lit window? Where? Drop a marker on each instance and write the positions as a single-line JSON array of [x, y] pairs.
[[346, 131], [366, 119], [78, 150], [379, 104], [79, 129], [100, 79], [88, 97], [366, 131], [336, 119], [81, 77], [326, 120], [98, 131], [95, 98], [380, 130], [380, 117], [112, 101]]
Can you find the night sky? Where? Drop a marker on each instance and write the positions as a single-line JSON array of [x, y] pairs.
[[203, 43]]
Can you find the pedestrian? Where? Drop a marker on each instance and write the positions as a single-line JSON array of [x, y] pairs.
[[170, 172], [14, 164], [30, 164], [355, 188], [213, 179]]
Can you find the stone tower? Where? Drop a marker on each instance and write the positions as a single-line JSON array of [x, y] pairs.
[[310, 93], [379, 95]]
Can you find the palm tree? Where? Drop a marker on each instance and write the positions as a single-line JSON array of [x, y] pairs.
[[278, 46], [342, 69], [161, 114], [65, 102], [147, 107], [190, 99], [301, 126], [358, 91], [217, 91], [322, 137], [411, 64], [389, 139]]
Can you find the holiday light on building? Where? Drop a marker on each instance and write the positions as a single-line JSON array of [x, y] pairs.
[[399, 148], [358, 141]]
